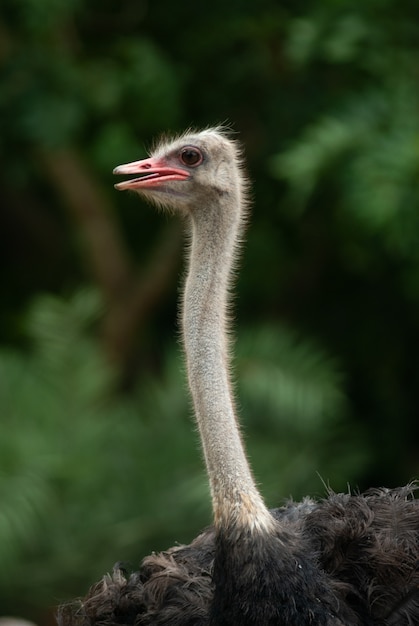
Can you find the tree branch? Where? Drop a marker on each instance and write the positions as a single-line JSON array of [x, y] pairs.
[[130, 298]]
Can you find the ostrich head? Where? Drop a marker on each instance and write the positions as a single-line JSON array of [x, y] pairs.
[[189, 172]]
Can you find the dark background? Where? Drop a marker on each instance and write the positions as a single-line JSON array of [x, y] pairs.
[[99, 460]]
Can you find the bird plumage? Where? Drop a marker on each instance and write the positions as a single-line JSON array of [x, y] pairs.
[[363, 549], [347, 560]]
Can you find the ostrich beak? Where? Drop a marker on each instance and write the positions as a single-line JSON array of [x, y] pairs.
[[153, 172]]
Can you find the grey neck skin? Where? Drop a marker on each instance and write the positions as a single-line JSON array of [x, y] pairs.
[[215, 231]]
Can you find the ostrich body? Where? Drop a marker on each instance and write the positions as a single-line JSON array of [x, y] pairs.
[[347, 560]]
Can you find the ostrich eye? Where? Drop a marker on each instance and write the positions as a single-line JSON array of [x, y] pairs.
[[191, 156]]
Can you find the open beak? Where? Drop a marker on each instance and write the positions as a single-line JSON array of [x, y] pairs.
[[153, 173]]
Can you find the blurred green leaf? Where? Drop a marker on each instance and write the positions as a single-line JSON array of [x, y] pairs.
[[81, 469]]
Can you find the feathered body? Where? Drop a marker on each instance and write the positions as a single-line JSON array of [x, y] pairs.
[[348, 560], [362, 548]]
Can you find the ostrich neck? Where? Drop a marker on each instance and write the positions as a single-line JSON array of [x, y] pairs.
[[235, 497]]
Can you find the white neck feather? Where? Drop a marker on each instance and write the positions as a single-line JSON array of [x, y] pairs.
[[215, 232]]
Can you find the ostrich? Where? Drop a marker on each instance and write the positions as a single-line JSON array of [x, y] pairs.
[[346, 560]]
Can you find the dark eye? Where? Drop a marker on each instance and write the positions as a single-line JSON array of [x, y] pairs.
[[191, 156]]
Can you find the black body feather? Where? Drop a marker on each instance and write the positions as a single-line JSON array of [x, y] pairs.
[[348, 560]]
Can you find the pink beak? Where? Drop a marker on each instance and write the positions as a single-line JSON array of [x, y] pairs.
[[153, 172]]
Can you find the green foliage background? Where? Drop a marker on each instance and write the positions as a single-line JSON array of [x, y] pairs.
[[99, 460]]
